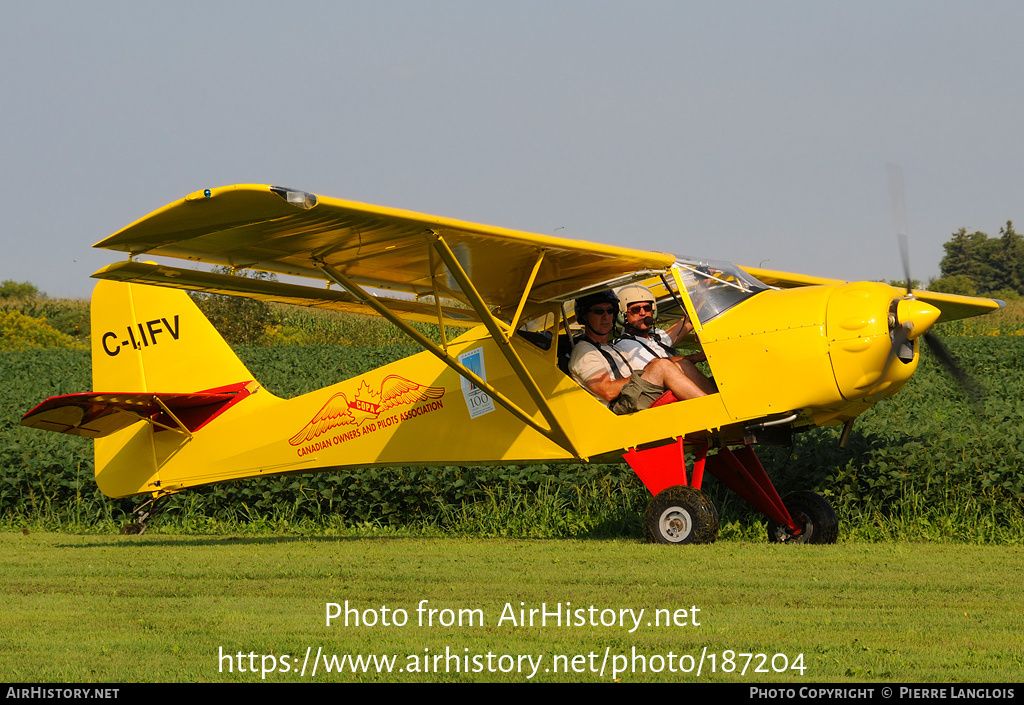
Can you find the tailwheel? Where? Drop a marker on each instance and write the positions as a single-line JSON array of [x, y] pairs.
[[141, 513], [679, 515], [813, 514]]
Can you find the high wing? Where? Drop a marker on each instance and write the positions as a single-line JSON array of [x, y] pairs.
[[292, 232], [952, 306]]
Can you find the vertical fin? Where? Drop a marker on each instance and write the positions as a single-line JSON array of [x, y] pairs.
[[155, 339], [150, 339]]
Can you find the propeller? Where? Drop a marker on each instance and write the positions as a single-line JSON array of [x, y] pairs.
[[903, 331], [975, 392]]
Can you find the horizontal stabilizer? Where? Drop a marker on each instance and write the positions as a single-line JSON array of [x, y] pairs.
[[97, 414]]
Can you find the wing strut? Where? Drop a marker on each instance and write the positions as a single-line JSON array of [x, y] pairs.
[[555, 433], [437, 297], [526, 293], [182, 428]]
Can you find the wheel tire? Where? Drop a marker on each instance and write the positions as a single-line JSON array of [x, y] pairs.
[[681, 515], [813, 513]]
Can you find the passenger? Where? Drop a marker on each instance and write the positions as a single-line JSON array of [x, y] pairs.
[[602, 368], [641, 342]]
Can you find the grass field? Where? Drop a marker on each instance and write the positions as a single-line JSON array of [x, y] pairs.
[[239, 576], [161, 608]]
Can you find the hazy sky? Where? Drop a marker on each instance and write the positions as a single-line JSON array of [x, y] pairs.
[[755, 132]]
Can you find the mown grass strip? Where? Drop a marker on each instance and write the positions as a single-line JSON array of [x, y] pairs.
[[159, 608]]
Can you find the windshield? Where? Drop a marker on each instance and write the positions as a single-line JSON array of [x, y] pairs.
[[715, 287]]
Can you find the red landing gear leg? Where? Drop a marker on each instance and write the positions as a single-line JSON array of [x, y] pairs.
[[679, 513], [802, 517], [743, 474]]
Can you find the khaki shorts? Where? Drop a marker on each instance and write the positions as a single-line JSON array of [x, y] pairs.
[[637, 395]]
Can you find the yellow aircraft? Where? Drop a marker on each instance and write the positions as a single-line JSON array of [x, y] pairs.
[[176, 409]]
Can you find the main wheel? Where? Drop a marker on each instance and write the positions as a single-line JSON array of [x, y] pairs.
[[681, 514], [813, 514]]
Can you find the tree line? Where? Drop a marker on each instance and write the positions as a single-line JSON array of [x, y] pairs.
[[975, 264]]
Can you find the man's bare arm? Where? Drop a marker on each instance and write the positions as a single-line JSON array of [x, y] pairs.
[[679, 330], [605, 387]]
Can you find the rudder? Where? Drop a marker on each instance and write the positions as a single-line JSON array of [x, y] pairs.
[[151, 339]]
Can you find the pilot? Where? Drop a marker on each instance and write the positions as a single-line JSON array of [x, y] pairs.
[[601, 367], [641, 342]]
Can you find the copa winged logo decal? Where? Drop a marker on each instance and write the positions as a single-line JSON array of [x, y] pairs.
[[366, 405]]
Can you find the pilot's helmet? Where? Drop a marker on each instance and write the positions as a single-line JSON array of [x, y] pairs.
[[585, 303], [634, 294]]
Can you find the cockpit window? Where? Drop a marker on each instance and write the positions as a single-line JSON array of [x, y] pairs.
[[539, 330], [715, 287]]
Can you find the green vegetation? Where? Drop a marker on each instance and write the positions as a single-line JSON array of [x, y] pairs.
[[70, 317], [21, 332], [244, 321], [922, 465], [294, 325], [10, 289]]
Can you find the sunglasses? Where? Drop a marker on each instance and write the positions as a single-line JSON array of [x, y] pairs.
[[602, 310], [641, 308]]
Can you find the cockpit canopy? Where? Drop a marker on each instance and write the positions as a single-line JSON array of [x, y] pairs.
[[714, 287]]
